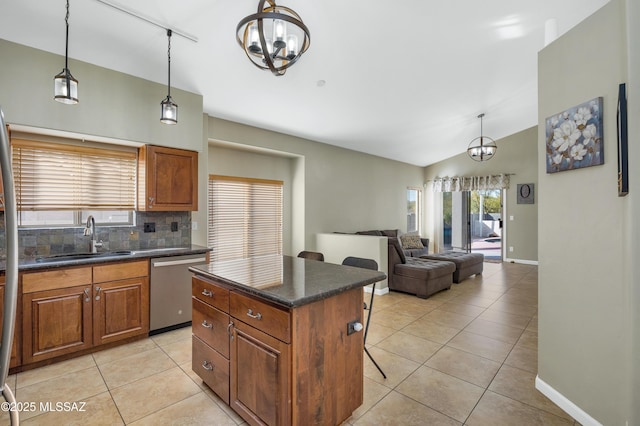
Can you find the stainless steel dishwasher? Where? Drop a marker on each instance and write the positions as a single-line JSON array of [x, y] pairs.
[[170, 299]]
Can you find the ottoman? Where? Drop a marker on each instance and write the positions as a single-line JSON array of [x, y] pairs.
[[422, 277], [467, 264]]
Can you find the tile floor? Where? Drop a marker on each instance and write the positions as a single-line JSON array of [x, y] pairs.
[[464, 356]]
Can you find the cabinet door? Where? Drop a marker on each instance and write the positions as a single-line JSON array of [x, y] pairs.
[[260, 376], [56, 322], [15, 348], [171, 179], [121, 309]]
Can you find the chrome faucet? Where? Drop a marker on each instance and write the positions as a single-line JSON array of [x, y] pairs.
[[90, 230]]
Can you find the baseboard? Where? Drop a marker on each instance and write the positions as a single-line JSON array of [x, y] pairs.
[[569, 407], [523, 261], [379, 291]]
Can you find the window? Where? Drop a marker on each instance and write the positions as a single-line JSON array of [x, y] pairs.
[[245, 217], [414, 197], [60, 184]]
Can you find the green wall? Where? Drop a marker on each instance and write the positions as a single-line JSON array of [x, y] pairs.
[[585, 308], [517, 154]]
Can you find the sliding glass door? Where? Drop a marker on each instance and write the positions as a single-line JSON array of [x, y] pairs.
[[472, 222]]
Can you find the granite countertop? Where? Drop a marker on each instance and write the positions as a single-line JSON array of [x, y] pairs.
[[288, 281], [34, 263]]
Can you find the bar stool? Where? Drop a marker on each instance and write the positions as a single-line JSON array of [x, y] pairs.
[[360, 262], [313, 255]]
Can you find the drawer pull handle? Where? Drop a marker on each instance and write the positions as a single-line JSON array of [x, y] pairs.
[[86, 295], [229, 332], [207, 293], [98, 289], [207, 365], [257, 316], [205, 324]]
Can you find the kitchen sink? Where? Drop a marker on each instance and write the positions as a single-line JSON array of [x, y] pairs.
[[78, 256]]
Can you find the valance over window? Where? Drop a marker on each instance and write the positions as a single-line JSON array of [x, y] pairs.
[[470, 183]]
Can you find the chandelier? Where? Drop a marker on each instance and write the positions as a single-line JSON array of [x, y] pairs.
[[482, 148], [274, 38], [65, 87]]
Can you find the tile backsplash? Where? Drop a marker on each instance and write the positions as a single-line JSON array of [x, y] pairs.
[[47, 241]]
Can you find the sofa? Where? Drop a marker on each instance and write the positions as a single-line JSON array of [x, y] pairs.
[[412, 245], [467, 264], [414, 275]]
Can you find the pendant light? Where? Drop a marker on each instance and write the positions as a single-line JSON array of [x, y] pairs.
[[65, 87], [482, 148], [274, 38], [169, 113]]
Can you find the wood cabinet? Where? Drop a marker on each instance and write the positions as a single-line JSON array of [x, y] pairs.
[[15, 349], [71, 309], [284, 365], [168, 179]]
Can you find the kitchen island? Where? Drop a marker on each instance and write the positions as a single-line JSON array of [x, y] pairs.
[[279, 338]]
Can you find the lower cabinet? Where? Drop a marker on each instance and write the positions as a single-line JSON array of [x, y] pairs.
[[60, 317], [278, 366]]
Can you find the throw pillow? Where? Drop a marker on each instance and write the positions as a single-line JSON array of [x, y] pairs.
[[411, 241]]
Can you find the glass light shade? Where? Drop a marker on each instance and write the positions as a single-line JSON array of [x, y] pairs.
[[169, 114], [254, 39], [279, 31], [65, 88], [292, 46]]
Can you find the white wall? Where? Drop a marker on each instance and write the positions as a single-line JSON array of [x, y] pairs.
[[585, 310]]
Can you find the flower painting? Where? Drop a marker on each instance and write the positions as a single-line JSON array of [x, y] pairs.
[[574, 137]]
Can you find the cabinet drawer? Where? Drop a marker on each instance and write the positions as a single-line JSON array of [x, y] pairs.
[[211, 326], [120, 271], [55, 279], [211, 294], [212, 368], [267, 318]]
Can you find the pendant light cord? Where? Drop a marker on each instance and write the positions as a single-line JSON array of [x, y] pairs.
[[169, 32], [66, 48]]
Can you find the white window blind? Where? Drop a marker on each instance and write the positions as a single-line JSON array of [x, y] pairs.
[[245, 217], [68, 177]]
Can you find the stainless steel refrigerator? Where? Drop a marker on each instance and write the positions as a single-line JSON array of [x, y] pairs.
[[11, 275]]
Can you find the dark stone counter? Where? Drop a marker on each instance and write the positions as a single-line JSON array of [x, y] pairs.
[[36, 263], [288, 281]]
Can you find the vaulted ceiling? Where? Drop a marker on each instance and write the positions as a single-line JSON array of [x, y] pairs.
[[404, 80]]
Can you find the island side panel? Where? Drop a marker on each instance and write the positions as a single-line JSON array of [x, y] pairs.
[[327, 363]]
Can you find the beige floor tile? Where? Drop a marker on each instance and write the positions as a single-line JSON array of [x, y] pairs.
[[520, 385], [72, 387], [448, 319], [390, 319], [172, 336], [523, 358], [135, 367], [515, 308], [381, 302], [480, 345], [463, 365], [194, 410], [139, 399], [479, 301], [179, 351], [373, 393], [529, 339], [505, 318], [119, 352], [52, 371], [495, 330], [98, 410], [462, 308], [409, 346], [431, 331], [497, 410], [412, 310], [378, 333], [441, 392], [394, 366], [396, 409]]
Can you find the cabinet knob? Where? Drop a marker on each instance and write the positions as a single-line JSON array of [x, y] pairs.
[[257, 315], [357, 326], [207, 293], [207, 365], [205, 324]]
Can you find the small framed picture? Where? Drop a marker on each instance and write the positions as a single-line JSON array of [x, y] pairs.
[[525, 193]]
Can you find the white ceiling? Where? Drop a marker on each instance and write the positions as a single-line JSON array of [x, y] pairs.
[[405, 80]]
